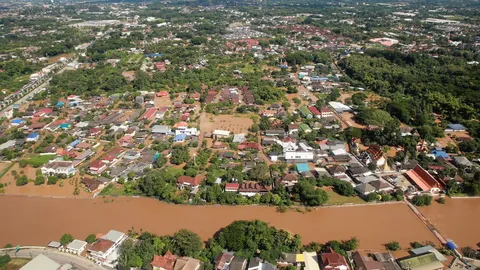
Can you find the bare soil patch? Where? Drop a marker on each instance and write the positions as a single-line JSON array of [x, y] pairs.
[[373, 225], [232, 123]]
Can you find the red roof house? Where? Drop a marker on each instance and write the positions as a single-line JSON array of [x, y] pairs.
[[231, 187], [162, 93], [164, 262], [333, 260], [249, 146], [315, 111], [187, 181]]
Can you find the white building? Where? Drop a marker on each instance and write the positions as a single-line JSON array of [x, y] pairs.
[[105, 251], [76, 246], [294, 156], [58, 168], [187, 131], [221, 133]]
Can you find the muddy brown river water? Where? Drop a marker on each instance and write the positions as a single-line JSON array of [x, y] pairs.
[[36, 221]]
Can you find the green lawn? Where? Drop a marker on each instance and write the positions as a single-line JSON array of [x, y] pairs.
[[336, 199], [38, 161], [113, 190]]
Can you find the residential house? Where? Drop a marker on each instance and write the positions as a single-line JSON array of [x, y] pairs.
[[275, 133], [311, 261], [239, 138], [455, 128], [179, 138], [91, 184], [105, 250], [33, 137], [187, 131], [304, 128], [315, 112], [332, 260], [56, 168], [223, 260], [238, 263], [188, 181], [363, 262], [94, 132], [365, 189], [461, 161], [289, 180], [336, 170], [232, 187], [76, 246], [187, 263], [381, 186], [292, 128], [257, 264], [424, 181], [251, 188], [305, 112], [220, 133], [97, 167], [165, 262], [326, 112], [249, 146]]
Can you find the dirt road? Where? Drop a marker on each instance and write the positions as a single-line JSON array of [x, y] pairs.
[[36, 221]]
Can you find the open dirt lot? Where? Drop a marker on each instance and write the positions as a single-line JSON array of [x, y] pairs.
[[31, 189], [457, 219], [232, 123], [373, 225], [348, 118]]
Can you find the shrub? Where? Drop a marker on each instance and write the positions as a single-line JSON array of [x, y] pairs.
[[52, 180], [392, 246], [422, 200], [4, 260], [39, 180], [22, 180], [441, 200]]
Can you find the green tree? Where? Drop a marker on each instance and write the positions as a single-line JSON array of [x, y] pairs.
[[392, 246], [186, 243], [66, 238], [90, 238]]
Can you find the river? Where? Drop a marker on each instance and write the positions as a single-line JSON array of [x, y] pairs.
[[36, 221]]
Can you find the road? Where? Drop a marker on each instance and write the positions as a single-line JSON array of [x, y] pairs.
[[60, 257], [37, 89]]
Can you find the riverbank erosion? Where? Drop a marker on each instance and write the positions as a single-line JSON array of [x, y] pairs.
[[36, 221]]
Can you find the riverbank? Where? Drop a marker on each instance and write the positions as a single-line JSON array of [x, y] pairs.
[[36, 221]]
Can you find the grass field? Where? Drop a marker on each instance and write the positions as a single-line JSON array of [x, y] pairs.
[[5, 168], [113, 190], [38, 161], [16, 263], [336, 199]]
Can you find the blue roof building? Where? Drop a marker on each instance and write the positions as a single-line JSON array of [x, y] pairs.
[[17, 122], [74, 143], [302, 167], [456, 127], [33, 136], [60, 104], [440, 153], [179, 138]]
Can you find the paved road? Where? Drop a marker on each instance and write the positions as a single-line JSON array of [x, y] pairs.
[[60, 257], [37, 89]]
